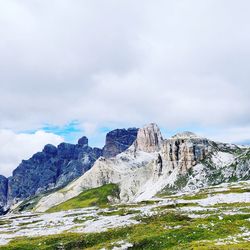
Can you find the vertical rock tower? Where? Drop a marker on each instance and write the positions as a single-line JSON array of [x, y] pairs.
[[149, 139]]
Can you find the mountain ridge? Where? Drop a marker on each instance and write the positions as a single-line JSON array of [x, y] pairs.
[[152, 164], [55, 167], [140, 161]]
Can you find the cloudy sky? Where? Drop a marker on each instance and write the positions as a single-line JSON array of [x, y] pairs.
[[82, 67]]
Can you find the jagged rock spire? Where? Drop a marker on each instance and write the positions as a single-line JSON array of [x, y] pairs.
[[149, 138]]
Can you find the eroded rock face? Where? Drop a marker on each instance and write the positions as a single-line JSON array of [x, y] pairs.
[[118, 141], [184, 152], [149, 139], [53, 167]]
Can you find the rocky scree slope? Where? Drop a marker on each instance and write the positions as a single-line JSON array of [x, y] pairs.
[[55, 167], [152, 165]]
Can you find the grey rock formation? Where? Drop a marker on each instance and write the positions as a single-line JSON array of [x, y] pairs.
[[118, 141], [53, 167], [3, 192], [83, 141]]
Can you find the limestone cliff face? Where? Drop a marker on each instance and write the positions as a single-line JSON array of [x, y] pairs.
[[149, 139], [181, 151], [184, 150]]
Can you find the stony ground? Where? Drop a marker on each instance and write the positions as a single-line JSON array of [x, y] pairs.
[[213, 218]]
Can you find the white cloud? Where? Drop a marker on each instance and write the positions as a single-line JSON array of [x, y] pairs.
[[16, 147], [174, 62], [125, 63], [237, 135]]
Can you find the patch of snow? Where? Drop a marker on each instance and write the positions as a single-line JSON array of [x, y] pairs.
[[85, 159], [80, 220], [152, 187], [234, 239], [106, 222], [224, 198], [222, 159], [4, 241], [173, 227], [123, 245]]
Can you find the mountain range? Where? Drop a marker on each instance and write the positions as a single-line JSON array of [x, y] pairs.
[[140, 161], [55, 167]]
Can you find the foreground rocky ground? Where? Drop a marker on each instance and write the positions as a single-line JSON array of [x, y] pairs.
[[213, 218]]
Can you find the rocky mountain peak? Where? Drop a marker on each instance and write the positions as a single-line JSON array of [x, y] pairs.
[[119, 140], [149, 138], [186, 135], [51, 168], [50, 149], [83, 141]]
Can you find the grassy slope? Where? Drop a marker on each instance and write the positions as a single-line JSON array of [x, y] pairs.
[[169, 229], [152, 233], [29, 203], [92, 197]]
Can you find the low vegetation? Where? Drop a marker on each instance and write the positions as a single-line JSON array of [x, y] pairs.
[[175, 206], [163, 231], [178, 224], [121, 212], [92, 197], [30, 203]]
